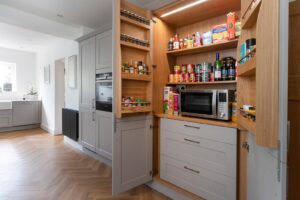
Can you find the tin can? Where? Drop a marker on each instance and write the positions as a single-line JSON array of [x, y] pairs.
[[197, 77], [190, 68], [187, 77], [183, 69], [205, 76], [198, 68], [182, 78], [171, 78], [192, 77], [176, 78], [177, 69], [205, 67]]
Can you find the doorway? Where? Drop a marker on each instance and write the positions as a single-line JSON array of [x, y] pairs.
[[59, 102], [294, 102]]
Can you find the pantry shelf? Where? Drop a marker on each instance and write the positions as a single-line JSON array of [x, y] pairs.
[[247, 69], [205, 83], [136, 109], [249, 18], [136, 77], [135, 46], [246, 124], [230, 44], [135, 23]]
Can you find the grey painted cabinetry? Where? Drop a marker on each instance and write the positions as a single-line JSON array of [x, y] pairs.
[[5, 118], [25, 113], [104, 133]]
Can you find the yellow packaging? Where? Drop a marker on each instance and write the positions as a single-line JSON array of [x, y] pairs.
[[171, 103]]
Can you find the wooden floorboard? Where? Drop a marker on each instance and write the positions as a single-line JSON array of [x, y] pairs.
[[35, 165]]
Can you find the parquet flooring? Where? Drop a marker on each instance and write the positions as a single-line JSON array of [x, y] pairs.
[[37, 166]]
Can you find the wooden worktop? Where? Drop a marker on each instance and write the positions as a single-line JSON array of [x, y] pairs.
[[198, 120]]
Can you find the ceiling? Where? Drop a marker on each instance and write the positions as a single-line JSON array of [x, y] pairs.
[[152, 4], [88, 13]]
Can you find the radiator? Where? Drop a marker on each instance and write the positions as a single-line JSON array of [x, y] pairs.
[[70, 125]]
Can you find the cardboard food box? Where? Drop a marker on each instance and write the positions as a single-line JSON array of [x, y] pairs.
[[219, 33], [231, 20]]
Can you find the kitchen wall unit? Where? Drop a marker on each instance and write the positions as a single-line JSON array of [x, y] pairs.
[[95, 127], [176, 154]]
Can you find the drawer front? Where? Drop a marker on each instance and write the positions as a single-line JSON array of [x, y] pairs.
[[208, 154], [215, 133], [5, 118], [202, 182]]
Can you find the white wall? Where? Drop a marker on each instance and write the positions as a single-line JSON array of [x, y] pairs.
[[61, 49], [26, 70]]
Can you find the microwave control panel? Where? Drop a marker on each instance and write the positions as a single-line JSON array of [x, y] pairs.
[[224, 104]]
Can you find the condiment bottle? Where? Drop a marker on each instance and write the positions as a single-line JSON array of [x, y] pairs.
[[218, 66], [176, 42]]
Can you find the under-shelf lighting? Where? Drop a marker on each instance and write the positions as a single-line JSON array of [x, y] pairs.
[[183, 8]]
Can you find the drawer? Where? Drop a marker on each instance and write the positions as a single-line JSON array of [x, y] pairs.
[[208, 154], [202, 182], [5, 118], [215, 133]]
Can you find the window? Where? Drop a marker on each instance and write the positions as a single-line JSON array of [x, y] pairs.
[[8, 77]]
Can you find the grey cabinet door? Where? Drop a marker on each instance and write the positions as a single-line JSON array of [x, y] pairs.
[[25, 113], [132, 153], [104, 133], [87, 61], [104, 50], [5, 118], [87, 128]]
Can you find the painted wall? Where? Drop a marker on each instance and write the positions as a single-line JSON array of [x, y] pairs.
[[26, 70], [61, 49]]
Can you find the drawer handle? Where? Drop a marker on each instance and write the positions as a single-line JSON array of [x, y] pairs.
[[188, 126], [193, 141], [192, 170]]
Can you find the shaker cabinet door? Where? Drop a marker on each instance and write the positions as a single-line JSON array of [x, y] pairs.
[[104, 50], [104, 133], [87, 129]]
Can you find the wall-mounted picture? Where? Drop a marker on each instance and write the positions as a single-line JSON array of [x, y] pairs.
[[47, 74], [72, 72]]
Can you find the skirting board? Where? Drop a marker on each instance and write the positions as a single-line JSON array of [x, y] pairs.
[[19, 128], [166, 191], [79, 147]]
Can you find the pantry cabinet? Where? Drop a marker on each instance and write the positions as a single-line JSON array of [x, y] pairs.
[[104, 133], [103, 50]]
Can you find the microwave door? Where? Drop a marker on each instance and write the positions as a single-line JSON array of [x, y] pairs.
[[199, 104]]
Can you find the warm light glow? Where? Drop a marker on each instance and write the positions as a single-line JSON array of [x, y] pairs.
[[183, 8]]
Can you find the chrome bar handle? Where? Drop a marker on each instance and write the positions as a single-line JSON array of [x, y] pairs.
[[193, 141], [192, 170], [195, 127]]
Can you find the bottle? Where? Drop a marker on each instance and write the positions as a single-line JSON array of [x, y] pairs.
[[218, 66], [231, 70], [181, 44], [197, 42], [224, 74], [171, 45], [176, 42]]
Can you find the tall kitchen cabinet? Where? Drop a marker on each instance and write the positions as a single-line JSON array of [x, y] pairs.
[[138, 142], [95, 127]]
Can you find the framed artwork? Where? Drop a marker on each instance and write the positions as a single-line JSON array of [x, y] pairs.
[[72, 72], [47, 74]]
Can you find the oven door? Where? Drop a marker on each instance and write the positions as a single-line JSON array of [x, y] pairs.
[[199, 103], [104, 95]]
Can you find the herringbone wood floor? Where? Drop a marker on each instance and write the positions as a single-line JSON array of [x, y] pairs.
[[37, 166]]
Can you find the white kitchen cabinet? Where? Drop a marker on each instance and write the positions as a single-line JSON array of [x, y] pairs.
[[87, 118], [132, 153], [104, 50], [104, 133], [199, 158], [5, 118], [88, 128], [25, 113]]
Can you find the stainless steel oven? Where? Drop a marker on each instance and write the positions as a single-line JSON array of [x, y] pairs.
[[104, 91], [213, 104]]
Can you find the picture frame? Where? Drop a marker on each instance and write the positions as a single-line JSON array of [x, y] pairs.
[[47, 74], [72, 72]]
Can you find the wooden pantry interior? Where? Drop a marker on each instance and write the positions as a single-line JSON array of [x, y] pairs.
[[145, 38]]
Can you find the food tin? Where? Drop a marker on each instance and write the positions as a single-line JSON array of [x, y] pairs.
[[192, 77], [176, 78], [182, 78], [171, 78], [183, 68], [187, 77], [177, 69], [190, 68]]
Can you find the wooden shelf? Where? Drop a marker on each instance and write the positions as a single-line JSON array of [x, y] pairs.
[[230, 44], [135, 46], [135, 23], [204, 83], [249, 18], [246, 124], [199, 120], [248, 68], [136, 77], [137, 109]]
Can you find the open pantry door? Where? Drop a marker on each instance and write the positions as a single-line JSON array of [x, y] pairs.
[[132, 135]]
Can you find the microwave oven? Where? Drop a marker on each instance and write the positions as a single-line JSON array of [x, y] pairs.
[[213, 104]]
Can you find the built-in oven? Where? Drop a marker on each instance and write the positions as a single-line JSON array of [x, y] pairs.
[[104, 90], [213, 104]]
